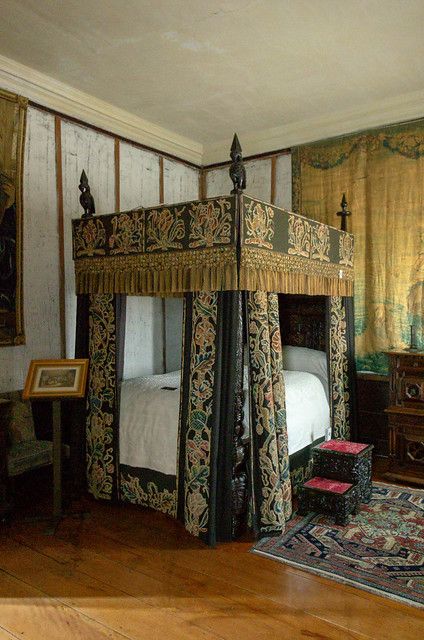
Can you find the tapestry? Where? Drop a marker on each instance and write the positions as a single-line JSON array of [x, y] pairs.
[[101, 397], [381, 173], [271, 485], [381, 549], [12, 137]]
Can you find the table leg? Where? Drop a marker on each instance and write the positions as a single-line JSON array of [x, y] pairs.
[[57, 462]]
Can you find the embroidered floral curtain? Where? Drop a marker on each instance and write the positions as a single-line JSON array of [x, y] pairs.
[[381, 171], [341, 367], [271, 485]]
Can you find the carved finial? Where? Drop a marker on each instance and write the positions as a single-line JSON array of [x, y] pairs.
[[237, 170], [344, 213], [86, 199]]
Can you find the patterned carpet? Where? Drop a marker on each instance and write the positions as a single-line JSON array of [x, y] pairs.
[[380, 550]]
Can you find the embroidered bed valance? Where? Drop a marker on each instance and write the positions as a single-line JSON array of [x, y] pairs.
[[218, 244]]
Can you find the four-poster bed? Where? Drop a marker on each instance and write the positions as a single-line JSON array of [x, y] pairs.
[[237, 261]]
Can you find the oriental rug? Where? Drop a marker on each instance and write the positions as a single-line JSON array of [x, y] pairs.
[[380, 550]]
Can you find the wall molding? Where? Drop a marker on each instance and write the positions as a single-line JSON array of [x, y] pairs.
[[66, 100], [402, 108], [60, 97]]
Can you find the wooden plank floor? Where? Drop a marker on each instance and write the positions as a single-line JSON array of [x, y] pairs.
[[128, 573]]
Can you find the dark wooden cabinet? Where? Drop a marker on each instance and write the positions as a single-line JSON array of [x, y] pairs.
[[373, 399], [406, 416]]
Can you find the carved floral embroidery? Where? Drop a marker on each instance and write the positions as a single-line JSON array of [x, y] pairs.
[[320, 242], [161, 500], [164, 228], [101, 396], [210, 224], [127, 233], [198, 435], [339, 383], [299, 236], [259, 221], [89, 238], [346, 249]]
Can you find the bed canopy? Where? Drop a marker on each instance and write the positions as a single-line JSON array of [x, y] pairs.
[[229, 257]]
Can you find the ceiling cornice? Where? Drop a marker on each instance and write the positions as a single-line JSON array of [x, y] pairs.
[[400, 109], [60, 97]]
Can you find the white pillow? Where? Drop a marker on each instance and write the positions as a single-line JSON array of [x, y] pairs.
[[309, 360]]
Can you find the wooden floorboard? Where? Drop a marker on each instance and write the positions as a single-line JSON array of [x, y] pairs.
[[131, 573]]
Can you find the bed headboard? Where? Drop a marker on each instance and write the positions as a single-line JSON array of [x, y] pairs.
[[302, 321]]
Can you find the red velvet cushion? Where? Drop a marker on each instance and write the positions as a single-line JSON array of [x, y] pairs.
[[325, 484], [343, 446]]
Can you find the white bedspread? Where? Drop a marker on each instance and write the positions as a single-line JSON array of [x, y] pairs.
[[149, 418]]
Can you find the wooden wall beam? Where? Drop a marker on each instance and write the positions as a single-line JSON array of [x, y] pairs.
[[117, 174], [60, 227], [273, 178]]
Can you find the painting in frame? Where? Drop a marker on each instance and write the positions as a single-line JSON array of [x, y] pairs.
[[50, 379], [13, 110]]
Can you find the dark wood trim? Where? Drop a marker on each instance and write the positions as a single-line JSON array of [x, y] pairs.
[[117, 154], [105, 132], [202, 184], [60, 227], [161, 182], [256, 156], [273, 178]]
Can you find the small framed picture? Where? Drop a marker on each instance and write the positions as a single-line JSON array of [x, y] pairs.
[[50, 379]]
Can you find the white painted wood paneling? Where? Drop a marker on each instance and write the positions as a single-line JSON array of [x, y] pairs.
[[41, 261], [83, 148], [174, 332], [139, 170], [181, 182], [283, 182], [258, 178], [139, 177], [143, 337], [218, 182]]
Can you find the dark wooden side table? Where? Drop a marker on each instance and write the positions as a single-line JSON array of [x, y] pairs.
[[406, 417]]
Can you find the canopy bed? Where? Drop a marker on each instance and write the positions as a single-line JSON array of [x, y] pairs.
[[230, 432]]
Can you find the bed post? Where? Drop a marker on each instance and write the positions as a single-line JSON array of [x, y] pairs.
[[239, 492], [79, 410]]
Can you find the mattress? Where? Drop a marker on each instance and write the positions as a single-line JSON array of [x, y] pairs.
[[150, 411]]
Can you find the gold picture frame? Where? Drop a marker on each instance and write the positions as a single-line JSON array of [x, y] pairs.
[[54, 379], [13, 111]]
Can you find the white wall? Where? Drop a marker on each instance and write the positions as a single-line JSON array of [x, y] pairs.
[[41, 255], [258, 177], [139, 178], [84, 148], [181, 183]]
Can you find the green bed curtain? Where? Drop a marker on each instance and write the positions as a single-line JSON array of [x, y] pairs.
[[271, 485], [381, 171]]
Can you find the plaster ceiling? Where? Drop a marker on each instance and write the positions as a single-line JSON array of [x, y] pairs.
[[205, 68]]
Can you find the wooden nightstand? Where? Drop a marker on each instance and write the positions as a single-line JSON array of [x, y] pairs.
[[406, 416]]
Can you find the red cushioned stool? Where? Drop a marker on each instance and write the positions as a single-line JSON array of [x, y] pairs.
[[324, 495], [346, 461]]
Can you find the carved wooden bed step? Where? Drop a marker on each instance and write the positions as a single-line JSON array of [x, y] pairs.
[[332, 497], [346, 461]]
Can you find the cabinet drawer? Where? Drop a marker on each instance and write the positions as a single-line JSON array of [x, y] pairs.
[[410, 364]]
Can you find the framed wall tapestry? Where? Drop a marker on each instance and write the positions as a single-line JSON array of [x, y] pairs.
[[12, 138]]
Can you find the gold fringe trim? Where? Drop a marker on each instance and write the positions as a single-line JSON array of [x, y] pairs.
[[262, 270], [159, 274]]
